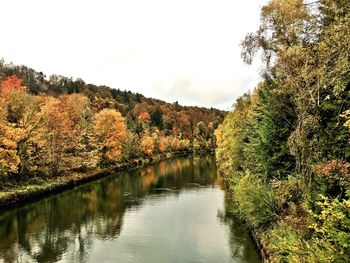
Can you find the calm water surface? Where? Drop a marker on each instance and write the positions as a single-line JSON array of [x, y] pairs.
[[172, 211]]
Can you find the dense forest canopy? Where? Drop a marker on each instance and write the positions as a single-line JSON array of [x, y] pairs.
[[49, 125], [286, 146]]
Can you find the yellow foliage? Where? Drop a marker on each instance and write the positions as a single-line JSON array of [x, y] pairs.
[[147, 144], [346, 115], [110, 133], [9, 136]]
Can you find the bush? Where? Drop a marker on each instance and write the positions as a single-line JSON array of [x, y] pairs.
[[289, 192], [255, 201], [332, 227], [286, 244]]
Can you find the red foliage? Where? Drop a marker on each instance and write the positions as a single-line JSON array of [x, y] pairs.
[[336, 175], [144, 116], [10, 84], [332, 168]]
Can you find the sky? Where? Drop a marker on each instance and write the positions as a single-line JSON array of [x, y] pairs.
[[175, 50]]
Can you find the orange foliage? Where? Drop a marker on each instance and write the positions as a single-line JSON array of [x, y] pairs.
[[9, 136], [174, 143], [56, 136], [110, 132], [333, 167], [183, 124], [335, 173], [144, 116], [147, 144], [77, 108], [12, 83], [162, 144]]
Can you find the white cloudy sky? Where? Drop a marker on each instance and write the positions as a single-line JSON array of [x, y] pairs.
[[175, 50]]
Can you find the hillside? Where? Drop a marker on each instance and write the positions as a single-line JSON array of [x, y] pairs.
[[50, 125]]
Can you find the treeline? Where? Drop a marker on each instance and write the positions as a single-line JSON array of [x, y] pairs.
[[52, 125], [285, 147]]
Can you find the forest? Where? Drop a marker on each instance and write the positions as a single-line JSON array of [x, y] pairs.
[[52, 127], [284, 148]]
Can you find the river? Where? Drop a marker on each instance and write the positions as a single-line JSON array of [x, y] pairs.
[[172, 211]]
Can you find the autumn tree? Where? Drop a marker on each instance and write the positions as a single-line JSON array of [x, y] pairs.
[[184, 144], [55, 131], [110, 134], [56, 137], [283, 24], [144, 117], [10, 84], [79, 112], [174, 143], [9, 137], [23, 113], [164, 144], [131, 149], [11, 107], [147, 145]]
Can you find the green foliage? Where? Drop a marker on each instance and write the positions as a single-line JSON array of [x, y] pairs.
[[332, 227], [131, 150], [288, 192], [289, 245], [255, 201], [232, 135], [272, 121], [289, 142], [157, 118]]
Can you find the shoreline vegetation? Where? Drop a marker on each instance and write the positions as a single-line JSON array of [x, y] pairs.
[[56, 131], [284, 149], [23, 192]]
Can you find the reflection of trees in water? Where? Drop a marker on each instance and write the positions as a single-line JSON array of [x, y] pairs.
[[240, 242], [45, 230]]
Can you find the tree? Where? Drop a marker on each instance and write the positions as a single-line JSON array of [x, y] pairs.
[[270, 124], [157, 118], [110, 134], [78, 110], [131, 149], [12, 83], [147, 144], [283, 24], [23, 113], [12, 104], [56, 136], [232, 135], [9, 137], [144, 117], [290, 139]]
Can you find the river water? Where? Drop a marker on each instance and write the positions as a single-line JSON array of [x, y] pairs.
[[172, 211]]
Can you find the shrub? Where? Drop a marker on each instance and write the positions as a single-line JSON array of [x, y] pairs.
[[332, 227], [255, 201]]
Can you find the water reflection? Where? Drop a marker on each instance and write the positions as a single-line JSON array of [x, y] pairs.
[[73, 225]]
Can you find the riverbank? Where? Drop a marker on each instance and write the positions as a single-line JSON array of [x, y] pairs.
[[38, 187], [260, 246], [173, 205]]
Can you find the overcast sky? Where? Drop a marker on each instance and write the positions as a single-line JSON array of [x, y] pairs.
[[175, 50]]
